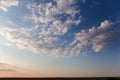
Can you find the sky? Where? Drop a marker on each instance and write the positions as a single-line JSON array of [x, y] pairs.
[[59, 38]]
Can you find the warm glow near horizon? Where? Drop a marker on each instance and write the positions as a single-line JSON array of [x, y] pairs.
[[59, 38]]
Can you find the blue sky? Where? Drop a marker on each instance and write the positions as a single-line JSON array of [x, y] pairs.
[[63, 38]]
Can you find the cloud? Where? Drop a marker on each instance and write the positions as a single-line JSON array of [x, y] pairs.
[[6, 67], [99, 42], [43, 42], [8, 70], [97, 37], [50, 16], [4, 4], [52, 22]]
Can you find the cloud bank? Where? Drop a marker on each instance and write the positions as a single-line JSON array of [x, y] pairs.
[[52, 22]]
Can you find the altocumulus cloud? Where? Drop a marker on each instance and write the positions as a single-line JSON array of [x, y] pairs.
[[51, 22], [4, 4]]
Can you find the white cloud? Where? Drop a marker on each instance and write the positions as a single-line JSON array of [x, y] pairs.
[[97, 37], [25, 38], [99, 43], [104, 25], [4, 4], [48, 14], [51, 22], [42, 41]]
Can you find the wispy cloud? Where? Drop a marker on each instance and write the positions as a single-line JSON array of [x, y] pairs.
[[8, 70], [6, 67], [4, 4]]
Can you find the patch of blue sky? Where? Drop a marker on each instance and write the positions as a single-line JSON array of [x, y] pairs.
[[18, 15]]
